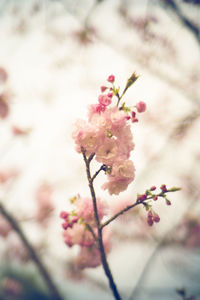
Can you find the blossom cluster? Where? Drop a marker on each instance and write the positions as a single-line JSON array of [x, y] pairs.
[[76, 231], [107, 134]]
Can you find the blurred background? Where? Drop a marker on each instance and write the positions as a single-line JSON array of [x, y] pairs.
[[54, 56]]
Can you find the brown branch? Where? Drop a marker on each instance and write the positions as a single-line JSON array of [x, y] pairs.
[[97, 172], [35, 258], [104, 261], [188, 24]]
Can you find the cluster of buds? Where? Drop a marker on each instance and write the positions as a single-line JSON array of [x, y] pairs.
[[80, 229], [150, 195], [69, 220], [152, 217], [131, 114]]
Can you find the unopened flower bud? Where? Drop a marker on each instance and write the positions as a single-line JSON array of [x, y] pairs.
[[65, 225], [163, 188], [141, 106], [111, 78], [156, 218], [168, 202], [64, 215], [150, 221], [103, 88], [133, 114], [134, 120], [153, 188], [74, 219]]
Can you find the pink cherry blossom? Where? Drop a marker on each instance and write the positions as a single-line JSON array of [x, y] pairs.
[[86, 136], [89, 257], [108, 152], [84, 209], [104, 100], [123, 170], [116, 186], [78, 235], [95, 109], [45, 205]]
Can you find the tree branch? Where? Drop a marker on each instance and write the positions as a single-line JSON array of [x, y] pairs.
[[188, 24], [104, 261], [45, 275]]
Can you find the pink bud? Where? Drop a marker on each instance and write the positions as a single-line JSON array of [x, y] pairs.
[[156, 218], [168, 202], [150, 221], [150, 215], [141, 106], [155, 198], [74, 219], [128, 117], [104, 100], [153, 188], [65, 225], [110, 95], [103, 88], [163, 188], [111, 78], [134, 120], [64, 215], [133, 114]]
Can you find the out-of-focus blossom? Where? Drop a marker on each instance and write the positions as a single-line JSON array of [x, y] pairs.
[[45, 205], [3, 75], [6, 175], [4, 106], [5, 227], [11, 287]]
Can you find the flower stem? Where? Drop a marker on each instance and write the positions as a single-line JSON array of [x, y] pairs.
[[104, 261], [44, 273]]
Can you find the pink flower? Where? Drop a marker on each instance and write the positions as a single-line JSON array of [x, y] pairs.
[[3, 75], [107, 153], [84, 209], [117, 117], [45, 205], [78, 235], [111, 78], [123, 170], [19, 131], [124, 141], [95, 109], [86, 136], [116, 186], [141, 106], [89, 257], [104, 100]]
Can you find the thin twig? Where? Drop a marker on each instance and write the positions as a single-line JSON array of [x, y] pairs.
[[188, 24], [97, 172], [121, 212], [92, 231], [44, 273]]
